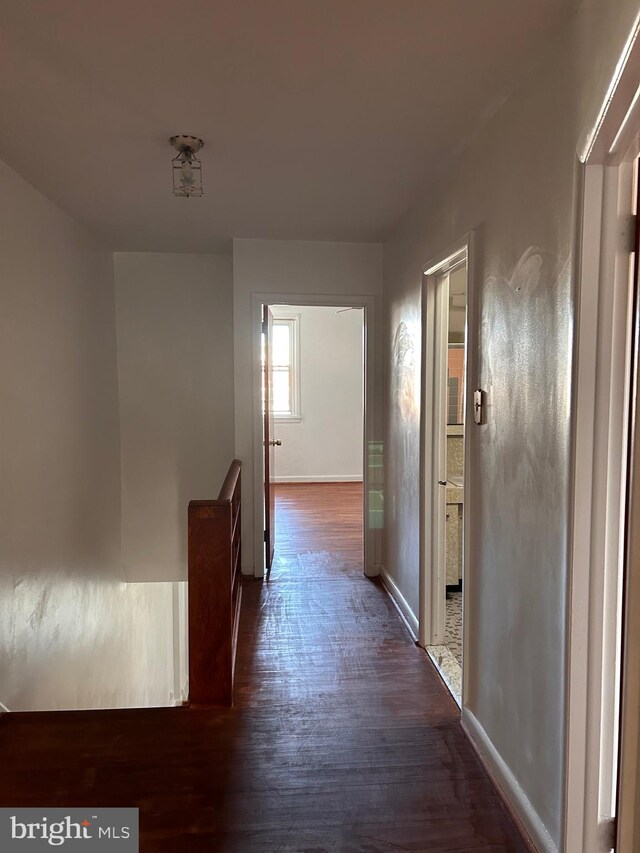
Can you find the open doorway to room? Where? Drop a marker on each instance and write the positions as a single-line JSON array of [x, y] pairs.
[[454, 462], [313, 405], [444, 510]]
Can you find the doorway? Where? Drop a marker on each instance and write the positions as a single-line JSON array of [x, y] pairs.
[[317, 461], [602, 807], [444, 509]]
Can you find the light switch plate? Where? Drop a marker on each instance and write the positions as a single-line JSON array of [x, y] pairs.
[[478, 405]]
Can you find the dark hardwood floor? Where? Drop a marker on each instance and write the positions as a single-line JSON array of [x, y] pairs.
[[342, 738]]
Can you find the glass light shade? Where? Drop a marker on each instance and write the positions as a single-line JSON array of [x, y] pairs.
[[187, 175]]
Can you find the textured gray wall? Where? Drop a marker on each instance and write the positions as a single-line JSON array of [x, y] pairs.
[[174, 319], [515, 188]]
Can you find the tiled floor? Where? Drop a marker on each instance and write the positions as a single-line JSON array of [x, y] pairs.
[[448, 657], [453, 625]]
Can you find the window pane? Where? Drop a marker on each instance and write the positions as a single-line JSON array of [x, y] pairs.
[[281, 401], [280, 354], [455, 389]]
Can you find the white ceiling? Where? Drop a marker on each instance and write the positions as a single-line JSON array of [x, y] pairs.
[[322, 119]]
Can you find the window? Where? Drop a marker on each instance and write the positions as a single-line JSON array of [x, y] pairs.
[[286, 373], [455, 384]]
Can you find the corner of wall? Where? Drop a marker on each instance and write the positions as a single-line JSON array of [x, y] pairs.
[[515, 799], [401, 604]]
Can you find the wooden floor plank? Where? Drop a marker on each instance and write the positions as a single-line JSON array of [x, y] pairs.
[[342, 738]]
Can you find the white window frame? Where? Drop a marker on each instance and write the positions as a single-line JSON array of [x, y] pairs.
[[293, 321]]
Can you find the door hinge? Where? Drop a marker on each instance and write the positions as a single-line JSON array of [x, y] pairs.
[[608, 832], [630, 236], [265, 536]]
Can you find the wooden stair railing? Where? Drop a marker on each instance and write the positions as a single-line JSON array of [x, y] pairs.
[[215, 592]]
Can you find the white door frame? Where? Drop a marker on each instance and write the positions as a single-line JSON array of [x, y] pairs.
[[628, 828], [599, 441], [367, 303], [432, 581]]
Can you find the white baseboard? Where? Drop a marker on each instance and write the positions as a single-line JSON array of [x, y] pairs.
[[4, 709], [506, 782], [321, 478], [401, 603]]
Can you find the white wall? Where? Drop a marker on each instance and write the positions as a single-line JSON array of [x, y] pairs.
[[72, 635], [175, 366], [326, 444], [294, 268], [516, 188]]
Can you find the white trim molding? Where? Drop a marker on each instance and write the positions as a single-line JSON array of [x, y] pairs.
[[372, 532], [432, 592], [402, 605], [601, 384], [515, 798], [600, 403], [291, 319]]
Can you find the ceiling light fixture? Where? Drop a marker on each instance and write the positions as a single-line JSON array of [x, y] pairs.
[[187, 169]]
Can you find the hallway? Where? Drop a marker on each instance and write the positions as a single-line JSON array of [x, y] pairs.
[[343, 738]]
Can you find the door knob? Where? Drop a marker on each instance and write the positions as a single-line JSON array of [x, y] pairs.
[[275, 442], [442, 482]]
